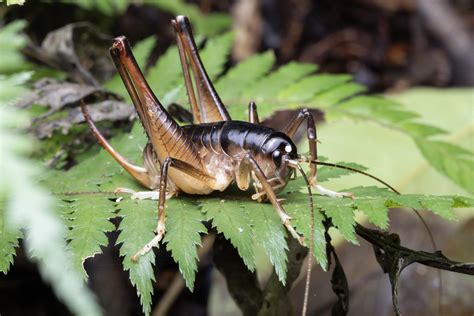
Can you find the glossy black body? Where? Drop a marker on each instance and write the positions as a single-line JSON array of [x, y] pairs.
[[233, 138]]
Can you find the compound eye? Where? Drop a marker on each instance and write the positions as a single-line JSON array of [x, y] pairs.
[[277, 157]]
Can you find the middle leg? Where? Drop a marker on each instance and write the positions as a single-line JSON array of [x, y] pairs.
[[291, 129]]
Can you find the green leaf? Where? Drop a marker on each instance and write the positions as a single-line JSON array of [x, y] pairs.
[[164, 75], [310, 86], [215, 54], [184, 228], [421, 130], [374, 107], [30, 208], [440, 206], [12, 2], [88, 220], [338, 94], [375, 210], [269, 232], [341, 213], [437, 204], [231, 219], [269, 86], [11, 41], [450, 160], [107, 7], [209, 24], [298, 208], [243, 75], [9, 239], [136, 230]]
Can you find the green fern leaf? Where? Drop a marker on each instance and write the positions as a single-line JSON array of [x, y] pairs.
[[421, 130], [310, 86], [88, 219], [9, 239], [451, 160], [11, 41], [269, 232], [375, 210], [298, 208], [341, 213], [374, 107], [244, 74], [136, 230], [209, 24], [440, 206], [107, 7], [215, 54], [183, 226], [231, 219], [267, 87], [30, 208], [337, 94]]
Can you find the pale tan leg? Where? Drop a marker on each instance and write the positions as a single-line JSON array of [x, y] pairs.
[[138, 173], [160, 228]]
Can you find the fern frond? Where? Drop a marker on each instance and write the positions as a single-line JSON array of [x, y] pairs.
[[28, 207], [88, 220], [184, 229], [9, 239], [231, 220], [136, 229]]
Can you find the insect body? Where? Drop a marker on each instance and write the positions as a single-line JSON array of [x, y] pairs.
[[215, 151]]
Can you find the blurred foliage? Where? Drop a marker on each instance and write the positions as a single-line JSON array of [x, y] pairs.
[[28, 210], [207, 24], [10, 2]]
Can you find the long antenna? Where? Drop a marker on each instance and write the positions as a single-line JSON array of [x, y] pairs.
[[329, 164]]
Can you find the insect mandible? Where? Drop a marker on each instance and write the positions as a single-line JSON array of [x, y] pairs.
[[213, 152]]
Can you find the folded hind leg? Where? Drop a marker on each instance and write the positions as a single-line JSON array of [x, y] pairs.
[[140, 174]]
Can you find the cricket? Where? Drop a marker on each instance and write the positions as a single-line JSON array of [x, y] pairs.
[[215, 151]]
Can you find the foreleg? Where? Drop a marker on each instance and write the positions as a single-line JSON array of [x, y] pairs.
[[285, 218]]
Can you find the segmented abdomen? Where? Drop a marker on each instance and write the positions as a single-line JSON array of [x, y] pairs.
[[232, 138]]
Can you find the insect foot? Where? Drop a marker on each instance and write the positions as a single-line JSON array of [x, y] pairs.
[[160, 232], [334, 194]]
